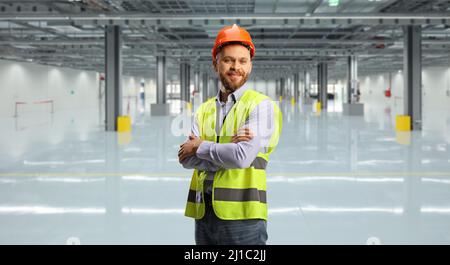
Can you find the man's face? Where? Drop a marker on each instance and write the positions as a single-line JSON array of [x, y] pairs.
[[233, 66]]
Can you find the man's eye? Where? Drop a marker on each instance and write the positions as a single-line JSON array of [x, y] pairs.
[[243, 61]]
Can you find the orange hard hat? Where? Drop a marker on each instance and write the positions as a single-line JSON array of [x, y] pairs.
[[231, 34]]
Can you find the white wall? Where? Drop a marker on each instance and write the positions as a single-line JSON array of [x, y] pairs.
[[69, 89], [436, 85], [435, 81], [29, 82], [373, 87], [435, 95]]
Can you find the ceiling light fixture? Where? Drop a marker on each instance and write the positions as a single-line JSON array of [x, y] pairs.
[[333, 2]]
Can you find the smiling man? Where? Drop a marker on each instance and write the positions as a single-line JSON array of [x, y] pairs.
[[232, 137]]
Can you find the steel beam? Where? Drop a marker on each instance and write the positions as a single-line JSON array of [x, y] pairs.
[[132, 18]]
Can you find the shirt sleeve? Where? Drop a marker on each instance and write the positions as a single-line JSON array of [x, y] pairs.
[[242, 154], [194, 162]]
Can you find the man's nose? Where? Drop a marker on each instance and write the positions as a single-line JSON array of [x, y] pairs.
[[235, 65]]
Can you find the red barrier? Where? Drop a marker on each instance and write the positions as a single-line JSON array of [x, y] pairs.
[[48, 101]]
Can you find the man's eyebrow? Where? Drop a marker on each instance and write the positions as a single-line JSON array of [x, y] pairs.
[[231, 57]]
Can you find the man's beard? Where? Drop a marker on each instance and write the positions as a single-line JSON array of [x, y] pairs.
[[230, 87]]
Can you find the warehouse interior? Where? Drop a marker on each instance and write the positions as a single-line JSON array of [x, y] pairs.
[[346, 171]]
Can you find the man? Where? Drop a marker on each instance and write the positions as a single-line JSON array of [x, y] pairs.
[[232, 137]]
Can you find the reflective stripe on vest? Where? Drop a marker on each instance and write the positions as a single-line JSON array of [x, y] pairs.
[[239, 195], [233, 195], [259, 163]]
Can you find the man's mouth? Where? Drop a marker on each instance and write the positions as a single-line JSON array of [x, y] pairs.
[[233, 75]]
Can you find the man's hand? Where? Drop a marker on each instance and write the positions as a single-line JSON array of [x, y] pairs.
[[243, 134], [189, 148]]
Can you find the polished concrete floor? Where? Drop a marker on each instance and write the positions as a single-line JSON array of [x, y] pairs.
[[334, 179]]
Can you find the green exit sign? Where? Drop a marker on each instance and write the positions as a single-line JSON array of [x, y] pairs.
[[333, 2]]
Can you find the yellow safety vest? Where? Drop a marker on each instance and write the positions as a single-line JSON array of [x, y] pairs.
[[238, 193]]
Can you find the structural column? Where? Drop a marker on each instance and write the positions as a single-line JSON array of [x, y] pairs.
[[352, 78], [352, 106], [413, 75], [282, 87], [307, 83], [307, 88], [185, 81], [205, 87], [161, 71], [277, 88], [113, 70], [196, 81], [296, 86], [160, 108], [287, 93], [322, 82]]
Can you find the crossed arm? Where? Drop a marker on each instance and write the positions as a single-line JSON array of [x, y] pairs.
[[190, 156], [240, 153]]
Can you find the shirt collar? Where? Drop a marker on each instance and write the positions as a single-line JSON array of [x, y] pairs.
[[236, 95]]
